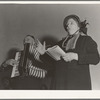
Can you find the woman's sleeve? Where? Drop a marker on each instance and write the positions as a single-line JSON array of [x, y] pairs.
[[91, 56], [48, 61]]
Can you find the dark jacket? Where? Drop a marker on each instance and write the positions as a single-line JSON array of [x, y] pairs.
[[75, 75]]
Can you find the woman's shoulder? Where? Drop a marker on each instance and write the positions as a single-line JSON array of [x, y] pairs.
[[88, 39]]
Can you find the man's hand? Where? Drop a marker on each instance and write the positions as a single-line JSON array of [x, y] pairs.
[[41, 48], [12, 62]]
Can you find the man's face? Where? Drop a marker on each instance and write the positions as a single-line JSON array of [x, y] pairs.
[[29, 39]]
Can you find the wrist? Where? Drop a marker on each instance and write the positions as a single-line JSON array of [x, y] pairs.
[[3, 66], [42, 53]]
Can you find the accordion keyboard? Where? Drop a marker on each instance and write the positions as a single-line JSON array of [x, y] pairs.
[[15, 71]]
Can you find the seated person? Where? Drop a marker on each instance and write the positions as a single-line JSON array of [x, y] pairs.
[[36, 68]]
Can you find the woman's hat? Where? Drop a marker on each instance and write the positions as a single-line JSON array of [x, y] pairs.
[[82, 25]]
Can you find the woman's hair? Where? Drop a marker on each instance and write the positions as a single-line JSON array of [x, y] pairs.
[[82, 25]]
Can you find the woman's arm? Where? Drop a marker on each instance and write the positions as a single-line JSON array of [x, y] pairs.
[[91, 56]]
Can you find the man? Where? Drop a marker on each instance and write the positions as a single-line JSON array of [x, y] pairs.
[[36, 68]]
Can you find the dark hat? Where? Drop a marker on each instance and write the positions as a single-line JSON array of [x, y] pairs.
[[82, 24], [75, 17]]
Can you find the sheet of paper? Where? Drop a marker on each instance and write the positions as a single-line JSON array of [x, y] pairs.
[[55, 52]]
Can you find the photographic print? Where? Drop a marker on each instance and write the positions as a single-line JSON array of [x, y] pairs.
[[49, 46]]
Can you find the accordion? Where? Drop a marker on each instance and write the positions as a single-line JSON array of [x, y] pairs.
[[26, 66]]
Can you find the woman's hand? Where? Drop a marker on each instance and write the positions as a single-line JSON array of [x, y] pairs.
[[41, 48], [12, 62], [70, 56]]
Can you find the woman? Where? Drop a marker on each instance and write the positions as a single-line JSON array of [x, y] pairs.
[[72, 71]]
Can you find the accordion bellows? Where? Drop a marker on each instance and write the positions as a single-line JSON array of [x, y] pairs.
[[32, 70]]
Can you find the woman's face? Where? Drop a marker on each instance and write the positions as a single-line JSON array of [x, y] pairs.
[[72, 26]]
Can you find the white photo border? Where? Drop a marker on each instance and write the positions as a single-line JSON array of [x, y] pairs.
[[49, 94]]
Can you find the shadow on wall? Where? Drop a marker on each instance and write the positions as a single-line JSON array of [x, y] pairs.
[[11, 53], [50, 40]]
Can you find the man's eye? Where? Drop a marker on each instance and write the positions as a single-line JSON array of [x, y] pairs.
[[27, 39]]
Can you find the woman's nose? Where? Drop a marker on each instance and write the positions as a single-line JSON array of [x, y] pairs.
[[68, 26]]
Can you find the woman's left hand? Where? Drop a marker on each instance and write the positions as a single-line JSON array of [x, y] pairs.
[[70, 56]]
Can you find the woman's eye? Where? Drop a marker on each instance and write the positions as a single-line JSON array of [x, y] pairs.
[[71, 23], [66, 24]]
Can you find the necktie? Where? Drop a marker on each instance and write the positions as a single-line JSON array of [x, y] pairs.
[[65, 43]]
